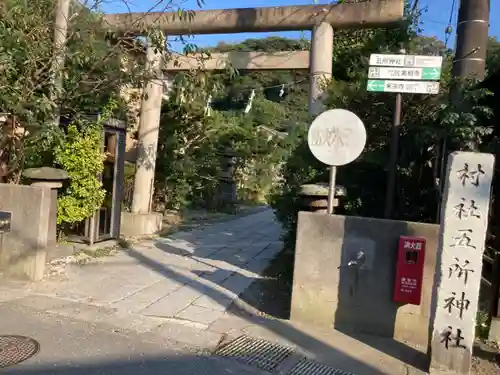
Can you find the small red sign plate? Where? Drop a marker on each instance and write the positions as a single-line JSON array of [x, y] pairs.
[[409, 270]]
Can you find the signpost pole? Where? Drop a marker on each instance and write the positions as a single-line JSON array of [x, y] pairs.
[[331, 189], [401, 73], [393, 158], [393, 154]]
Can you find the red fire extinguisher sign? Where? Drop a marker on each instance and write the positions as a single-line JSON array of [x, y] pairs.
[[409, 270]]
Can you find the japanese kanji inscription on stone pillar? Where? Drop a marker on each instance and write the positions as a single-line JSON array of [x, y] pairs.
[[464, 221]]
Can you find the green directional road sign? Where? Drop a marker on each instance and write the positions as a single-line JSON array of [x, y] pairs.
[[431, 73], [376, 85], [383, 72], [410, 87], [407, 61]]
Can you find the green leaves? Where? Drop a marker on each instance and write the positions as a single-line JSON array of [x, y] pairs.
[[425, 120], [81, 156], [190, 145], [93, 69]]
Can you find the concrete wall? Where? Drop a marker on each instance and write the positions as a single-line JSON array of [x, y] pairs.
[[23, 248], [358, 301]]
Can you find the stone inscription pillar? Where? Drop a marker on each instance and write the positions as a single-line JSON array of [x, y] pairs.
[[320, 65], [459, 262], [149, 124]]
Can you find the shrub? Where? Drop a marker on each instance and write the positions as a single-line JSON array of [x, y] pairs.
[[81, 156]]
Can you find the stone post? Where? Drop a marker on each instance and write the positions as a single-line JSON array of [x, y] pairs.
[[49, 178], [227, 185], [464, 221], [149, 124], [314, 197], [320, 65]]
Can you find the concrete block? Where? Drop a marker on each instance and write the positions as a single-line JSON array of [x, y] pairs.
[[42, 303], [237, 260], [7, 295], [217, 276], [256, 267], [23, 245], [494, 334], [199, 314], [326, 294], [270, 252], [133, 322], [82, 311], [189, 335], [233, 324], [147, 296], [173, 303], [237, 283], [230, 250], [218, 303], [133, 225], [215, 296]]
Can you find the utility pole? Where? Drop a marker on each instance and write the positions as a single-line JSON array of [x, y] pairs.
[[393, 154], [59, 52], [472, 39], [469, 61]]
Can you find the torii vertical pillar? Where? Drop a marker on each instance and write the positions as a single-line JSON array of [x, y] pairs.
[[320, 66], [142, 221]]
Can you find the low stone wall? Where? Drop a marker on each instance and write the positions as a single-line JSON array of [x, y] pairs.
[[28, 217], [328, 293]]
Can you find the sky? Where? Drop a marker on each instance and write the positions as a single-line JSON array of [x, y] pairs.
[[435, 19]]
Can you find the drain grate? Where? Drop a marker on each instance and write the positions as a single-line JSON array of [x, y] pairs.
[[307, 367], [259, 353], [16, 349]]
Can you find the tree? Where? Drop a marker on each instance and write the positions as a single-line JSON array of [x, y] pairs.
[[98, 65], [493, 56], [425, 120], [93, 73], [235, 90], [188, 165]]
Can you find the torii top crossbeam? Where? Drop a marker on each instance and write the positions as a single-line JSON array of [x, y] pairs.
[[368, 13]]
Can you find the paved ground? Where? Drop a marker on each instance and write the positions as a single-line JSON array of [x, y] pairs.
[[188, 279], [147, 303], [71, 347]]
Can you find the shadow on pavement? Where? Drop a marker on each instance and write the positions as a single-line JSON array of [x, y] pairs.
[[167, 365], [272, 293], [279, 328], [180, 365]]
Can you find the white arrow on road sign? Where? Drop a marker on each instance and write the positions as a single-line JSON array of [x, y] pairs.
[[404, 73], [410, 87], [376, 85], [394, 73]]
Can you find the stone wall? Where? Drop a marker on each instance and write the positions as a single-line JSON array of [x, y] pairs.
[[23, 243], [328, 293]]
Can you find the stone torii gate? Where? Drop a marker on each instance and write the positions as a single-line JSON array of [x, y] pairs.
[[321, 19]]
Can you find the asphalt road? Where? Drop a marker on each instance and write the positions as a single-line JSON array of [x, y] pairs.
[[69, 347]]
